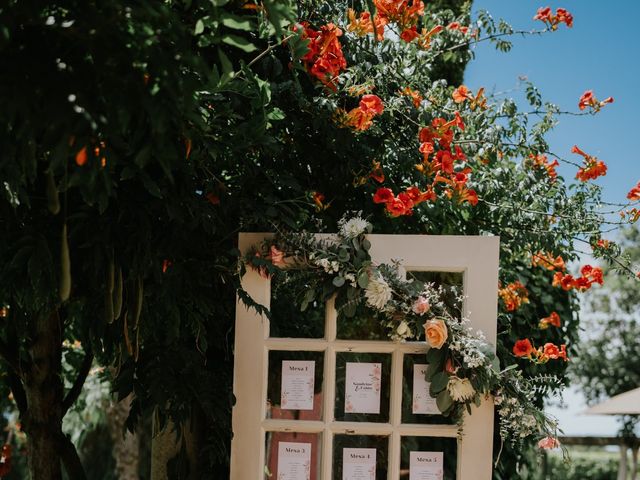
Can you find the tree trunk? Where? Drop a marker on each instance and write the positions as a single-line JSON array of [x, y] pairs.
[[44, 394], [125, 444]]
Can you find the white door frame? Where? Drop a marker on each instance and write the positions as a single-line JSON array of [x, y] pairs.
[[475, 257]]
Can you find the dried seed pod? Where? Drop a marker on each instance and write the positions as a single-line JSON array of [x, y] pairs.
[[117, 295], [53, 199], [138, 304], [108, 293], [65, 266]]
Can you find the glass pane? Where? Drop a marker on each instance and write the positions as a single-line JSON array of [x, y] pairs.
[[294, 389], [417, 405], [429, 457], [360, 457], [292, 455], [362, 326], [362, 387], [452, 285], [288, 290]]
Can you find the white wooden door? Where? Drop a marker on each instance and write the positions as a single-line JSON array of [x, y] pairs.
[[262, 429]]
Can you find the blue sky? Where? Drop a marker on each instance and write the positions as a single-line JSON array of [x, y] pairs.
[[600, 53]]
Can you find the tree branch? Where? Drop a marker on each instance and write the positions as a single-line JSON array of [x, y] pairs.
[[19, 395], [70, 459], [74, 391]]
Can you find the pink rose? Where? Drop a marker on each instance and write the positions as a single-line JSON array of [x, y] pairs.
[[421, 306], [548, 443], [277, 256]]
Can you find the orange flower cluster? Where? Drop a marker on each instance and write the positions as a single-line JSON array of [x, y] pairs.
[[548, 261], [553, 319], [442, 164], [462, 93], [603, 244], [541, 161], [325, 59], [404, 203], [525, 349], [593, 168], [514, 295], [416, 98], [82, 155], [318, 200], [632, 215], [404, 13], [455, 26], [589, 276], [634, 193], [376, 172], [401, 12], [424, 38], [361, 117], [545, 15], [362, 25], [588, 99]]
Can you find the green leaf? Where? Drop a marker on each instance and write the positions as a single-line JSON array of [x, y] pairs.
[[199, 27], [366, 244], [363, 280], [239, 42], [438, 383], [227, 66], [236, 22], [338, 281], [435, 355], [444, 401]]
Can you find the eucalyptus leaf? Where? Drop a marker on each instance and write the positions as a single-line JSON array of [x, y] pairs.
[[444, 401]]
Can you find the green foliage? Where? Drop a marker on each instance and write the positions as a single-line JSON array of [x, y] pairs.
[[582, 466]]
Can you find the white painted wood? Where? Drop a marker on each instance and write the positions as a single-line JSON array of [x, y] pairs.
[[475, 257]]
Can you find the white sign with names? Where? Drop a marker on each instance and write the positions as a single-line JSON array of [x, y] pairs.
[[298, 378], [423, 403], [359, 464], [426, 465], [362, 387], [294, 461]]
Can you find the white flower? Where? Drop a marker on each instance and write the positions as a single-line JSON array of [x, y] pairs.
[[378, 292], [354, 227], [460, 389], [351, 278], [402, 329]]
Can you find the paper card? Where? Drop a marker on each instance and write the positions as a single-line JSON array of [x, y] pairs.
[[362, 387], [426, 465], [423, 403], [294, 461], [359, 464], [298, 377]]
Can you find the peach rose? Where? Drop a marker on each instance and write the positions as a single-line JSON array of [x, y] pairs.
[[436, 332]]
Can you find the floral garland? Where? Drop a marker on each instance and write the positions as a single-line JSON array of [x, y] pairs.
[[462, 366]]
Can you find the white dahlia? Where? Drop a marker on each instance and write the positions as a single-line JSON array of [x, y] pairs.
[[460, 389], [378, 292]]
